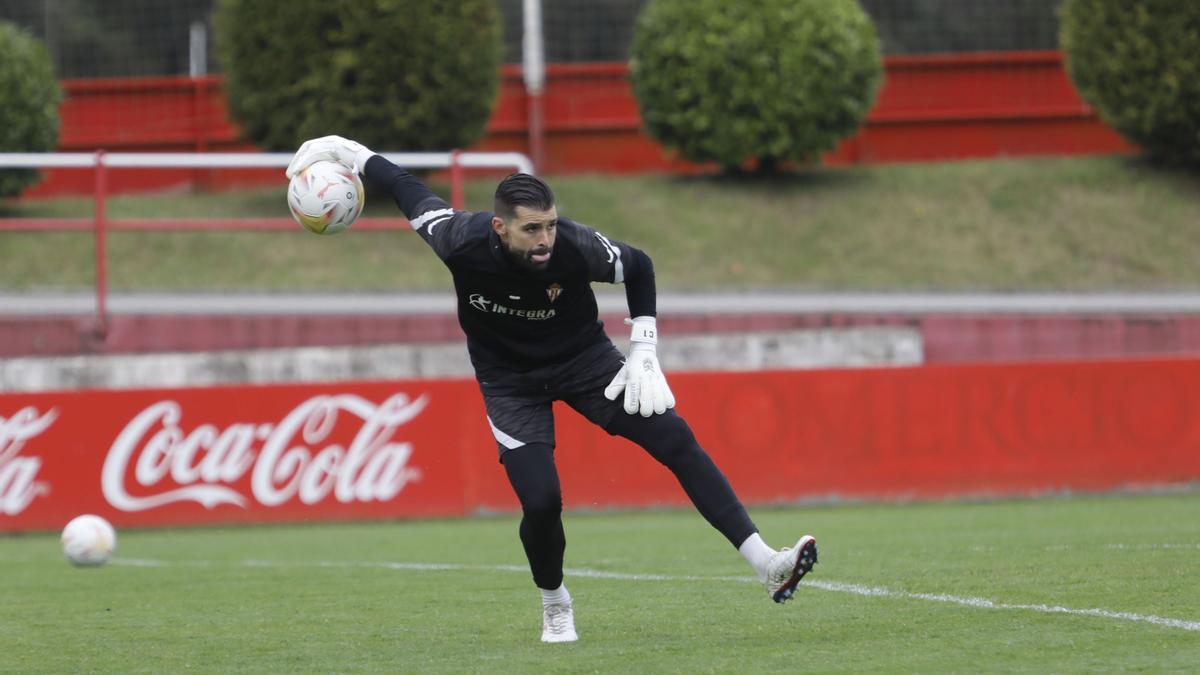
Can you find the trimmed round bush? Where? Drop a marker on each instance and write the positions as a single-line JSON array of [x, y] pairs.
[[404, 75], [762, 81], [1138, 63], [29, 96]]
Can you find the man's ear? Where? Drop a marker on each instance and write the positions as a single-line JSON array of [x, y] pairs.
[[498, 225]]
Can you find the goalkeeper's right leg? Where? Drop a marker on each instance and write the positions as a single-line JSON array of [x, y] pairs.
[[531, 472]]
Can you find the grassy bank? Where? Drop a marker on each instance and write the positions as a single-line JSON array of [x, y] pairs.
[[1049, 224]]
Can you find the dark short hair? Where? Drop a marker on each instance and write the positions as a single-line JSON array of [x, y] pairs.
[[522, 189]]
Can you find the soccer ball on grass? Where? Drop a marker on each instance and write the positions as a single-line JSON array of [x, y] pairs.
[[88, 541], [325, 197]]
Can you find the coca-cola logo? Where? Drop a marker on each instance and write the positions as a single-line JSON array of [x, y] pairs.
[[291, 459], [18, 475]]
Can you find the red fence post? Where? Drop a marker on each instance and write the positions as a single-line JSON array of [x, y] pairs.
[[100, 226], [456, 181]]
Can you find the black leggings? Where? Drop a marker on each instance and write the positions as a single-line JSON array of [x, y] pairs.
[[668, 439]]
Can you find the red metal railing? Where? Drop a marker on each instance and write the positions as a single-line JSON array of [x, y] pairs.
[[101, 163]]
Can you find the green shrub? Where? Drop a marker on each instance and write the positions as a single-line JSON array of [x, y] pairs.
[[392, 74], [29, 97], [1138, 63], [768, 80]]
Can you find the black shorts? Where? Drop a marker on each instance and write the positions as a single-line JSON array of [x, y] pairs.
[[519, 403]]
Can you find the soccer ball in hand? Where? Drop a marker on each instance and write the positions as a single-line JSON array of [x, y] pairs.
[[88, 541], [325, 197]]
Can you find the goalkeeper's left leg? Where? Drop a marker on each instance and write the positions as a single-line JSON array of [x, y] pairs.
[[669, 439]]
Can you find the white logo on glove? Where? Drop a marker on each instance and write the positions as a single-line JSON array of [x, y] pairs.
[[641, 378]]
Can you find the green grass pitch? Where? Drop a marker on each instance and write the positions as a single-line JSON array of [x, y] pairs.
[[1048, 585]]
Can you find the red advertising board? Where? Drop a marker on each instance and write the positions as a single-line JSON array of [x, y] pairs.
[[252, 453], [363, 450]]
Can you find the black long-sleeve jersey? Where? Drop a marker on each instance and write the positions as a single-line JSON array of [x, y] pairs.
[[515, 318]]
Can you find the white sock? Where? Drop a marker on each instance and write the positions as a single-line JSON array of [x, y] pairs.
[[757, 553], [558, 596]]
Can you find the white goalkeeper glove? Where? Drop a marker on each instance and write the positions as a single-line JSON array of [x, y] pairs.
[[344, 151], [641, 377]]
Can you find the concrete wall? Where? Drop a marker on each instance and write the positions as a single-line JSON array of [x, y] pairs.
[[813, 348]]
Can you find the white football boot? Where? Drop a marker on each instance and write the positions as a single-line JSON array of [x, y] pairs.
[[558, 623], [786, 568]]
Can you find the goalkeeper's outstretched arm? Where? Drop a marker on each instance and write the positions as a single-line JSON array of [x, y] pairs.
[[414, 198]]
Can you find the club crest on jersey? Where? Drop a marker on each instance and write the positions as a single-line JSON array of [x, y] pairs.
[[554, 291]]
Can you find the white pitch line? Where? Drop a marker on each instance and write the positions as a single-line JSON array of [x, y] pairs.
[[1111, 547], [139, 562], [984, 603], [834, 586], [1141, 547]]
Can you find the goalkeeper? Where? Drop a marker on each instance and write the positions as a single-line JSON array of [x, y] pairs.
[[523, 278]]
